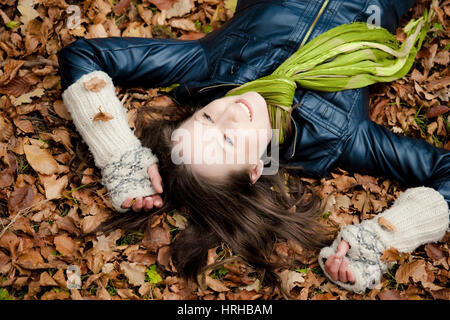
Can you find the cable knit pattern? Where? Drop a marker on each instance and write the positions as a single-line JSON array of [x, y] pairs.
[[420, 215], [116, 150]]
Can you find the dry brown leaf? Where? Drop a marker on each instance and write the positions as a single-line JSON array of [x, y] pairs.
[[343, 182], [156, 238], [415, 269], [95, 84], [61, 110], [162, 4], [40, 159], [392, 255], [437, 111], [6, 129], [386, 224], [433, 251], [135, 272], [46, 280], [291, 279], [215, 284], [53, 185], [120, 7], [26, 97], [391, 295], [31, 259], [368, 183], [20, 199], [65, 245], [102, 116]]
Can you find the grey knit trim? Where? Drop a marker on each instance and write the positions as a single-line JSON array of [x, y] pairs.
[[128, 174]]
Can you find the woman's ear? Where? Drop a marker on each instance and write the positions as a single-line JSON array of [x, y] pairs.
[[256, 171]]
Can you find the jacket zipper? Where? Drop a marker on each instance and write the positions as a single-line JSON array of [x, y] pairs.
[[305, 39]]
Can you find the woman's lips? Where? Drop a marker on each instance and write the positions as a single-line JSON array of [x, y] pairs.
[[247, 104]]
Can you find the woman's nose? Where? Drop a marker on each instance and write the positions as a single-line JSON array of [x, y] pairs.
[[231, 114]]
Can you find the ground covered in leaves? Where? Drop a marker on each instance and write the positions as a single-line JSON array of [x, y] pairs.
[[50, 192]]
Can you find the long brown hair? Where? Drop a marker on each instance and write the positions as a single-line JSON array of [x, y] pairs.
[[249, 218]]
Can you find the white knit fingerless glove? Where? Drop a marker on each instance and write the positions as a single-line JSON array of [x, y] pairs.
[[117, 151], [419, 215]]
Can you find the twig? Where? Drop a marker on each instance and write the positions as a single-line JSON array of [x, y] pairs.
[[40, 60], [21, 213]]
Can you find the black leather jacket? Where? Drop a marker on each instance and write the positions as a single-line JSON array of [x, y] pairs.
[[331, 129]]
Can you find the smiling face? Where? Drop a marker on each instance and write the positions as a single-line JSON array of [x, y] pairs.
[[229, 134]]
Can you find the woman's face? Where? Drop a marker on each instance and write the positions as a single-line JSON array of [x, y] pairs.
[[229, 134]]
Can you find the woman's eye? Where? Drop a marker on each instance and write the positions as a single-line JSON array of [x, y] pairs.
[[207, 117], [228, 140]]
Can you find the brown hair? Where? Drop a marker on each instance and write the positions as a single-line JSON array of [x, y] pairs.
[[249, 218]]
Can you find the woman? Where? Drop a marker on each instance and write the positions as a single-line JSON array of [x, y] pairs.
[[235, 202]]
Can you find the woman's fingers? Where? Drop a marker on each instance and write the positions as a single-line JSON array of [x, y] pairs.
[[157, 201], [137, 206], [342, 249], [350, 276], [127, 203], [155, 177], [148, 203], [343, 271], [332, 266]]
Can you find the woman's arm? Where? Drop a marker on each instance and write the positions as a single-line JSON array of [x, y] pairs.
[[88, 68], [420, 215], [133, 61], [413, 162]]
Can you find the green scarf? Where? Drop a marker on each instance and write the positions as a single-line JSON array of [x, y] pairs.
[[349, 56]]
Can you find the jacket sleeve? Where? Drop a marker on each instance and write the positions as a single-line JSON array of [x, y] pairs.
[[133, 61], [412, 162]]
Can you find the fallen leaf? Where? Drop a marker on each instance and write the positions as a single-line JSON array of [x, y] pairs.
[[102, 116], [290, 279], [391, 295], [215, 284], [95, 84], [344, 182], [135, 272], [156, 238], [121, 7], [386, 224], [163, 4], [31, 259], [437, 111], [46, 280], [26, 97], [20, 199], [393, 255], [65, 245], [415, 269], [40, 159], [433, 251]]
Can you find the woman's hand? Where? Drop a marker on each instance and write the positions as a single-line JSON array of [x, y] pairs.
[[337, 265], [147, 203]]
